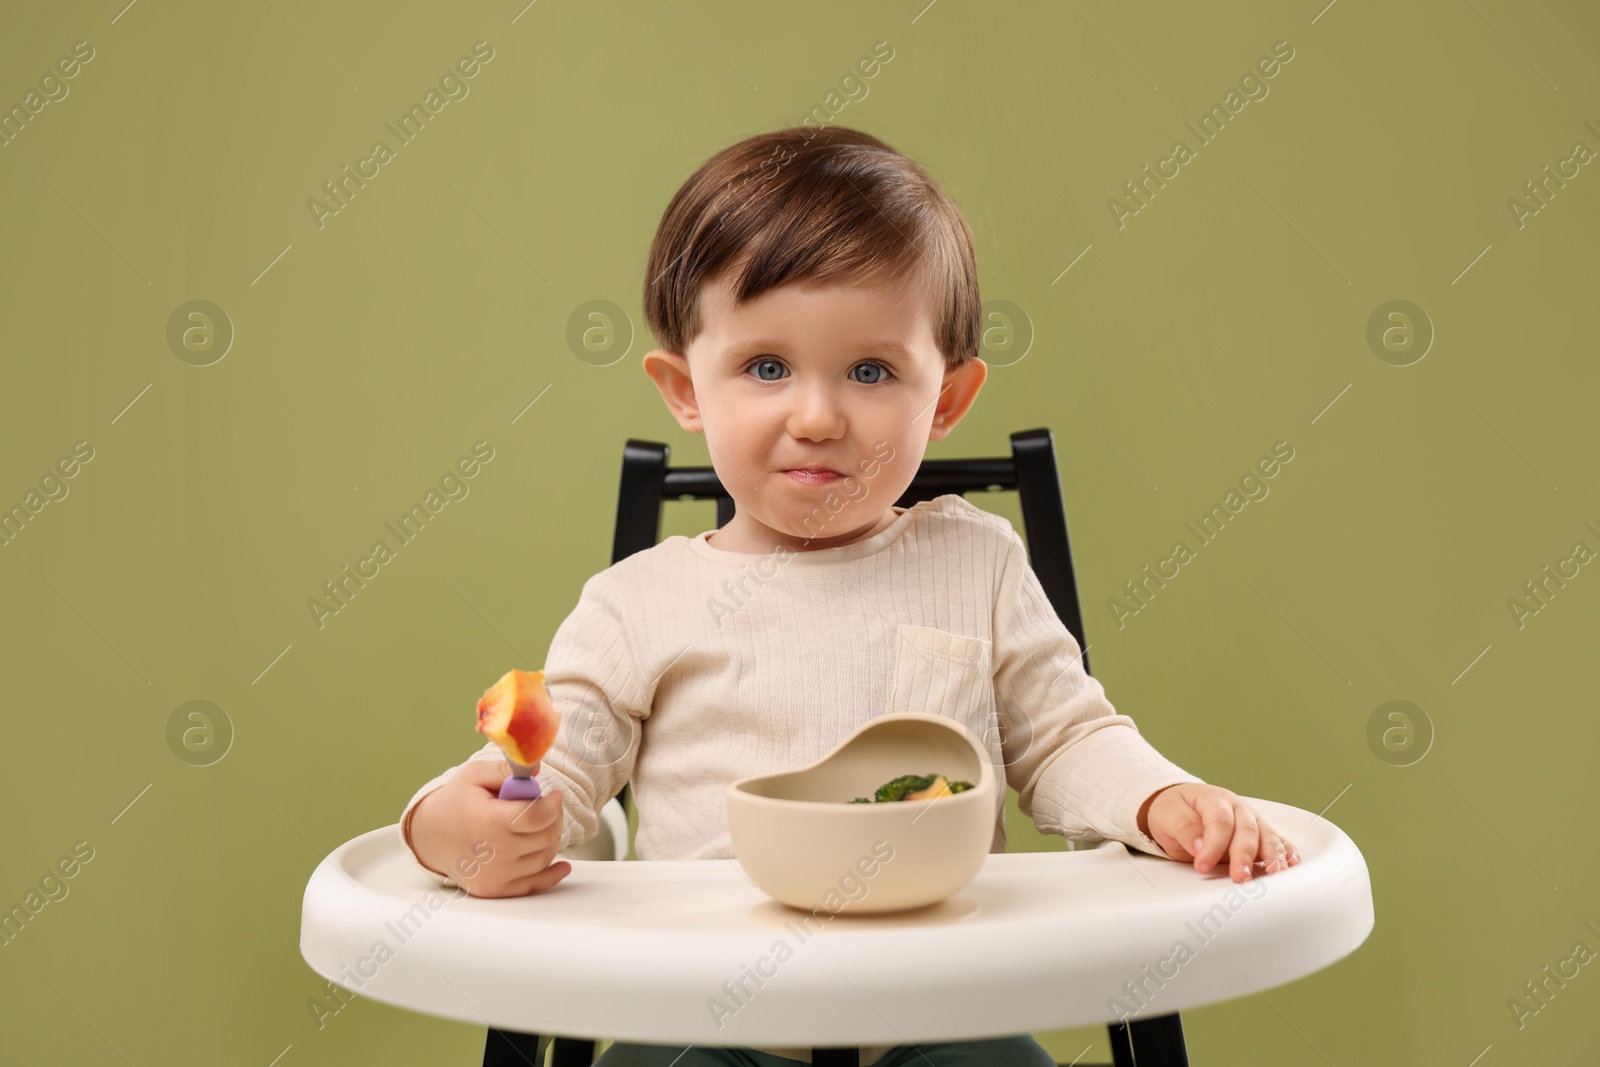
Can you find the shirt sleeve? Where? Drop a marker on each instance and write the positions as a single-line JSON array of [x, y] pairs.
[[594, 684], [1080, 769]]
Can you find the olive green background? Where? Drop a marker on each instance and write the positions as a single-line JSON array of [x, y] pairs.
[[369, 354]]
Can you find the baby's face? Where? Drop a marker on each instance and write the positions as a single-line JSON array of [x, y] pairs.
[[842, 377]]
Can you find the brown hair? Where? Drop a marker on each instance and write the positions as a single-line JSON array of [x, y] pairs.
[[811, 205]]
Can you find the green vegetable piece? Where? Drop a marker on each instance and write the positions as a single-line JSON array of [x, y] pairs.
[[907, 784], [899, 788]]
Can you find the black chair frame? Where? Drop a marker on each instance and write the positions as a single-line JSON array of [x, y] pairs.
[[1031, 471]]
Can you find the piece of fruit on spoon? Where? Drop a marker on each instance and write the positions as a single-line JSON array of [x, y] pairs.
[[516, 714]]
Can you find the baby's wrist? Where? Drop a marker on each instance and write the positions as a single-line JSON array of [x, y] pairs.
[[1144, 811], [408, 830]]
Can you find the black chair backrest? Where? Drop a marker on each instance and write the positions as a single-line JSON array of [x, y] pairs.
[[1031, 470], [647, 482]]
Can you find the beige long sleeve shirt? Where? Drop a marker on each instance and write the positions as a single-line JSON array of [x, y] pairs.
[[686, 666]]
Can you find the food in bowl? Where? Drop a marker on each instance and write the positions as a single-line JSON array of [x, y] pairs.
[[914, 787], [795, 832]]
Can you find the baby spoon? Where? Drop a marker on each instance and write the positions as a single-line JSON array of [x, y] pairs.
[[522, 785], [517, 714]]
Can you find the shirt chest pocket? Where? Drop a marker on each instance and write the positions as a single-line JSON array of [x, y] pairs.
[[943, 673]]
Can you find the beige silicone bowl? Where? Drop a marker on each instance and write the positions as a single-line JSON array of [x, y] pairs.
[[801, 841]]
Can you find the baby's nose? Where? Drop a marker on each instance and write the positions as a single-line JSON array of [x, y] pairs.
[[815, 415]]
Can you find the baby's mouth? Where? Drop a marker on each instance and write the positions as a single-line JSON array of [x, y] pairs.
[[813, 475]]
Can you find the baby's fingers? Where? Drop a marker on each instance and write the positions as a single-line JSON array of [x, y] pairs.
[[1273, 852], [1246, 841], [1277, 853], [1217, 816], [540, 881], [535, 815], [1177, 832]]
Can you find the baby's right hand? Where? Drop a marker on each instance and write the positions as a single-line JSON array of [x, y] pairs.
[[450, 826]]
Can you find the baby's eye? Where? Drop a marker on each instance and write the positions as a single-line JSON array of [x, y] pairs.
[[768, 369], [759, 365], [880, 373]]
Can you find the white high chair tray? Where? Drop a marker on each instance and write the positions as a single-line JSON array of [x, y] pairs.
[[640, 951]]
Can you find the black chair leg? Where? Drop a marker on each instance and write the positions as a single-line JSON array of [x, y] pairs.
[[508, 1048], [836, 1057], [1158, 1042], [571, 1052], [1121, 1045]]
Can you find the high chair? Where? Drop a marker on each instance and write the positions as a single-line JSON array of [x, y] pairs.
[[1031, 471], [1043, 937]]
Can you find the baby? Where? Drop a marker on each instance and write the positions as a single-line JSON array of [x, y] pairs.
[[784, 265]]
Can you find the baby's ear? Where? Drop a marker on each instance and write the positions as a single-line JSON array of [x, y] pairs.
[[670, 372], [957, 392]]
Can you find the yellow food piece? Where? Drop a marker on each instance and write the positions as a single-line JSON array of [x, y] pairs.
[[939, 788]]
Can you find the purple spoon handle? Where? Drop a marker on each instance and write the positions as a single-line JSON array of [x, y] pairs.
[[522, 785], [514, 788]]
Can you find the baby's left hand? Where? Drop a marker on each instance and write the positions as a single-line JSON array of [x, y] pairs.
[[1196, 821]]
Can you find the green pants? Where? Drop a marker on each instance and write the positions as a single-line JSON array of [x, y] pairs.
[[1019, 1051]]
